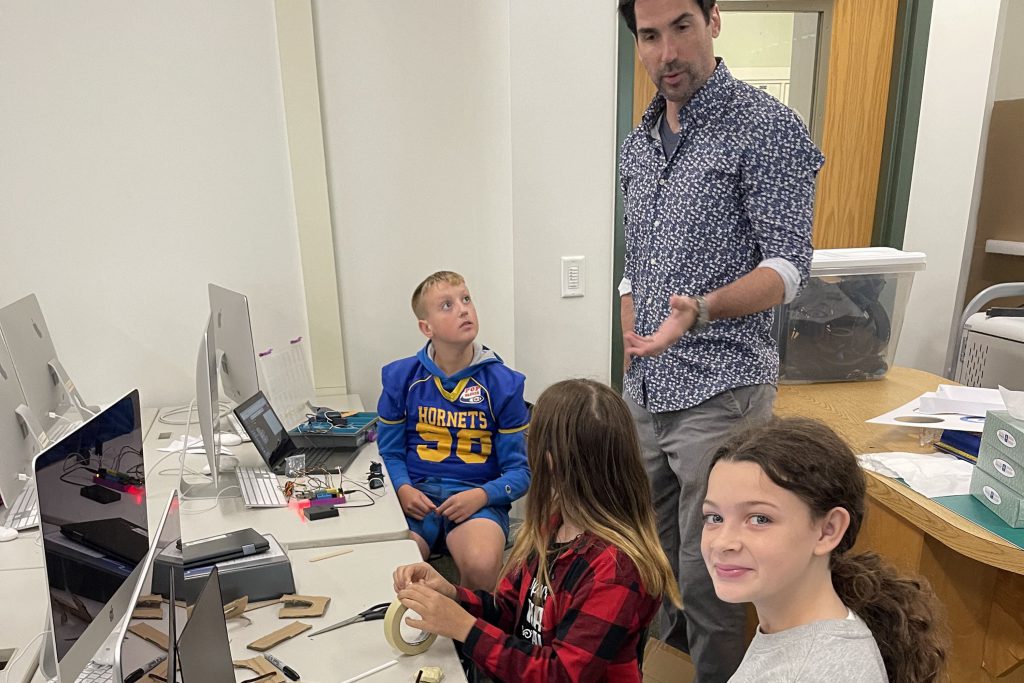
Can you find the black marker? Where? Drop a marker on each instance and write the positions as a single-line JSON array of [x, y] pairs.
[[285, 669], [143, 670]]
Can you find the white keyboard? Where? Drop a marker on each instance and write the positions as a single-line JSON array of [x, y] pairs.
[[24, 513], [237, 427], [96, 673], [260, 488]]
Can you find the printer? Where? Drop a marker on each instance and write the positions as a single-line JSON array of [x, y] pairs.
[[992, 352]]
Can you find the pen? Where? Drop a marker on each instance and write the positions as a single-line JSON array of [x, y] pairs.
[[144, 669], [285, 669]]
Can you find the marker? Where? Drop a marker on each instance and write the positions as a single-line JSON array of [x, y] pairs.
[[285, 669], [144, 669]]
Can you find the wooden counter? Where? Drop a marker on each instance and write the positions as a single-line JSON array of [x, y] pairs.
[[978, 576]]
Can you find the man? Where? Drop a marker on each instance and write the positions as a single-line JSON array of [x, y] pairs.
[[718, 181]]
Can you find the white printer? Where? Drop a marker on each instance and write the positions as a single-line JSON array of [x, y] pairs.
[[992, 352]]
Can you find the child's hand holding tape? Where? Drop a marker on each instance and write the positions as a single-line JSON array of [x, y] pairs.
[[423, 590]]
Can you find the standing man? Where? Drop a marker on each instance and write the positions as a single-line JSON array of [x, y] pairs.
[[718, 181]]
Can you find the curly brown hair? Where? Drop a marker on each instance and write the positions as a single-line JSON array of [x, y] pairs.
[[809, 459]]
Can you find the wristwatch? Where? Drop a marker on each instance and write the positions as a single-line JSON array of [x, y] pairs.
[[703, 314]]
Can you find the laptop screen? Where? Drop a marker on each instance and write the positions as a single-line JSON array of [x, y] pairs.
[[263, 427], [92, 508]]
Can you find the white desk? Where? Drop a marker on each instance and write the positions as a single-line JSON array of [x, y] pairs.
[[383, 521], [22, 552], [354, 581], [23, 601]]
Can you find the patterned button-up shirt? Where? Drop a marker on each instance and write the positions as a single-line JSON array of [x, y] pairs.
[[737, 190]]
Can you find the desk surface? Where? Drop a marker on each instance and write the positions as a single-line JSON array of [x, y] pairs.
[[354, 581], [382, 521], [846, 406], [23, 597]]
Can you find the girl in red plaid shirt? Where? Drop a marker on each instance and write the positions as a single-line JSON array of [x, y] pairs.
[[586, 574]]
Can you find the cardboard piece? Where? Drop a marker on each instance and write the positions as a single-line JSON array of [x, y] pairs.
[[157, 674], [261, 666], [308, 606], [665, 664], [279, 636], [151, 634], [262, 603], [149, 607], [236, 608]]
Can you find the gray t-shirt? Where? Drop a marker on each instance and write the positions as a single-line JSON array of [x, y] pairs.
[[833, 651]]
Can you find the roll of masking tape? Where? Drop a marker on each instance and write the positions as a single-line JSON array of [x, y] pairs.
[[393, 632]]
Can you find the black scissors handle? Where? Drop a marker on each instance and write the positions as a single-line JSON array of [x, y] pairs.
[[375, 613]]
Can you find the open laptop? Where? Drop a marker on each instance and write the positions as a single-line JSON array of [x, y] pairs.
[[204, 653], [275, 444]]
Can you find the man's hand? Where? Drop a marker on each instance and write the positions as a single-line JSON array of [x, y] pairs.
[[438, 614], [682, 315], [628, 316], [414, 502], [463, 505]]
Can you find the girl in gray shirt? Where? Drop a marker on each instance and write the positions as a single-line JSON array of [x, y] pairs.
[[784, 504]]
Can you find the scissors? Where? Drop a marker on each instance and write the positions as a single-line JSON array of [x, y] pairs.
[[374, 613]]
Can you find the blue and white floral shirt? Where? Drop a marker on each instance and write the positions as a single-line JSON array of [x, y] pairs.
[[737, 191]]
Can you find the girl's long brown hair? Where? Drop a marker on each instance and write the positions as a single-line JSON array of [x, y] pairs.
[[806, 457], [585, 460]]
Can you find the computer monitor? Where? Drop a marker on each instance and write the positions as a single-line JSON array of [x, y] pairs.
[[47, 386], [95, 532], [18, 442], [232, 334], [219, 478], [134, 652]]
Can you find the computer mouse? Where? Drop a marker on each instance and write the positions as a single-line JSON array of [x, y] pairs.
[[228, 439], [7, 534]]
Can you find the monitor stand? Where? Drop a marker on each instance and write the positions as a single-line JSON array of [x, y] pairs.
[[47, 651], [201, 487]]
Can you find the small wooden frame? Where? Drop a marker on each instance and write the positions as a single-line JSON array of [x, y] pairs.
[[151, 634], [261, 666], [149, 607]]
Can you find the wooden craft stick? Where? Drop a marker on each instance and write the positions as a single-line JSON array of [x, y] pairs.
[[279, 636], [335, 553]]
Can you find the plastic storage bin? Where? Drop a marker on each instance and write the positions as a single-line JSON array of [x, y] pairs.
[[845, 324]]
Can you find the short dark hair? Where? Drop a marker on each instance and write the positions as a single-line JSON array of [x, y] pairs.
[[627, 8]]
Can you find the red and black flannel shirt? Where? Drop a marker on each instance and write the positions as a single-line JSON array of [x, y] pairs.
[[592, 621]]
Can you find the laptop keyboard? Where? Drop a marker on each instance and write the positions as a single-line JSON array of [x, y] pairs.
[[260, 488], [316, 457], [96, 673], [24, 513]]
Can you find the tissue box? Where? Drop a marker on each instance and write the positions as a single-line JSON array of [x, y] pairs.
[[1003, 501], [846, 322], [1004, 433]]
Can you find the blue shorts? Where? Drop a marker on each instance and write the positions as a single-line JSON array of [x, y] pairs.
[[434, 528]]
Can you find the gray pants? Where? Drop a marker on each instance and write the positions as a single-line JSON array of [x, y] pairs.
[[677, 448]]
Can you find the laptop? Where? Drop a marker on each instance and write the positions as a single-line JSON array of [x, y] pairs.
[[204, 653], [275, 444], [117, 537]]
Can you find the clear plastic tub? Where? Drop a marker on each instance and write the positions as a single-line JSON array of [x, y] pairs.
[[845, 324]]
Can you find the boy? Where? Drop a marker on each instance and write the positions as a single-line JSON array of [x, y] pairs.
[[452, 421]]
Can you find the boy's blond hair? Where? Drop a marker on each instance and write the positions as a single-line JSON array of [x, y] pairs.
[[433, 280]]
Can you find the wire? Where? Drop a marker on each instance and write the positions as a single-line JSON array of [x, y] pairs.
[[10, 664], [223, 408]]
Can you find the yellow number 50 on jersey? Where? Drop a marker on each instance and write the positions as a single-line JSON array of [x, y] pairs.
[[465, 440]]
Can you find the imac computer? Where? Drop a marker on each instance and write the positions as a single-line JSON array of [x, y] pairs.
[[18, 442], [226, 362], [95, 533], [232, 335], [49, 391]]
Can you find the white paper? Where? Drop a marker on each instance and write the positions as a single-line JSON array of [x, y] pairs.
[[930, 474], [962, 400], [1014, 401], [910, 415]]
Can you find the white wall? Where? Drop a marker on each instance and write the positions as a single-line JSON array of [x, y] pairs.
[[1010, 84], [959, 85], [439, 159], [143, 156], [563, 181]]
